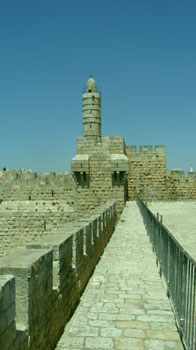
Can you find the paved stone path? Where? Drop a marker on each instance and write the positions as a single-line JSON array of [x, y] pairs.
[[124, 306]]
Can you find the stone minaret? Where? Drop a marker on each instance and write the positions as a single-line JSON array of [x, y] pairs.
[[91, 107]]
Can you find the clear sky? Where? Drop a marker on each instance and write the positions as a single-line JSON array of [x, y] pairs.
[[142, 54]]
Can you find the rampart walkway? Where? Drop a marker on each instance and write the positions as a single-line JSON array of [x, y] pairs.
[[124, 305]]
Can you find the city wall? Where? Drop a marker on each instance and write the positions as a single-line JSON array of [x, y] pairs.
[[33, 204], [22, 221], [40, 285], [149, 179], [97, 178], [44, 186], [181, 187]]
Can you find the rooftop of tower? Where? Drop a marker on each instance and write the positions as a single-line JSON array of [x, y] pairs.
[[91, 85]]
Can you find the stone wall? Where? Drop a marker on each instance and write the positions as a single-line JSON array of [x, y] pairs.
[[7, 314], [22, 221], [180, 187], [32, 186], [147, 177], [40, 285], [100, 170], [101, 189], [99, 173]]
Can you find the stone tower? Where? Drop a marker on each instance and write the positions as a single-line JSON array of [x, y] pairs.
[[100, 166], [91, 108]]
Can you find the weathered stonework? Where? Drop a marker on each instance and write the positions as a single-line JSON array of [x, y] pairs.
[[147, 177], [41, 284], [100, 166], [44, 186], [107, 171], [22, 221], [180, 187]]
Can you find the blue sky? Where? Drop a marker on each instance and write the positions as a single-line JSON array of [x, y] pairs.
[[142, 54]]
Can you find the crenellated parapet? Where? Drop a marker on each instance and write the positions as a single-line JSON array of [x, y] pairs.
[[180, 174], [176, 174], [40, 285], [36, 178], [147, 176], [180, 186], [32, 186], [146, 150]]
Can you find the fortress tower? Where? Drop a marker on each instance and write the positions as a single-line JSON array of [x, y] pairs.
[[91, 108], [100, 166]]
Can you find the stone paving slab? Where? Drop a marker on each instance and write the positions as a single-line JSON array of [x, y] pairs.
[[180, 219], [124, 306]]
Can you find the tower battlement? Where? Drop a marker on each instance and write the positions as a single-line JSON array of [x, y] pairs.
[[143, 150]]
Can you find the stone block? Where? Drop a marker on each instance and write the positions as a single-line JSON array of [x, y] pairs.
[[85, 226], [7, 302], [32, 269], [80, 163], [61, 245], [77, 251]]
